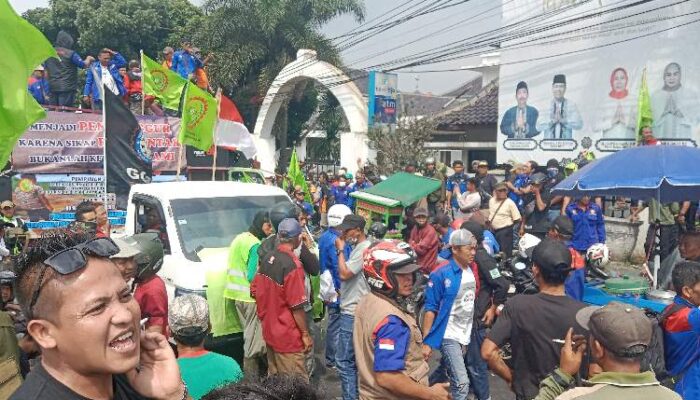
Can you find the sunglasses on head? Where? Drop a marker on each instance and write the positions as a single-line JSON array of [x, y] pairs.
[[70, 260]]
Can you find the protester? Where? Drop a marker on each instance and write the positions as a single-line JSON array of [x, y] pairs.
[[149, 289], [689, 246], [619, 336], [436, 199], [8, 218], [7, 208], [102, 219], [341, 192], [353, 288], [554, 176], [520, 184], [424, 240], [328, 260], [530, 322], [242, 266], [536, 213], [299, 201], [486, 183], [134, 88], [589, 224], [104, 75], [200, 74], [325, 198], [441, 223], [125, 260], [390, 359], [63, 71], [32, 198], [202, 371], [275, 387], [449, 313], [361, 184], [458, 180], [83, 317], [503, 216], [470, 202], [184, 62], [682, 331], [280, 294], [38, 86], [85, 212], [562, 229], [665, 217], [9, 357], [168, 57], [491, 296], [648, 138]]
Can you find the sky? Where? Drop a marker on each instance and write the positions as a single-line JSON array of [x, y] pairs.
[[463, 20]]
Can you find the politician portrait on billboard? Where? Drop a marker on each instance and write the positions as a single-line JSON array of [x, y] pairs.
[[618, 111], [562, 117], [671, 106], [520, 121]]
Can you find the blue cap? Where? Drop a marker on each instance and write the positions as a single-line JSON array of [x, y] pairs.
[[289, 228]]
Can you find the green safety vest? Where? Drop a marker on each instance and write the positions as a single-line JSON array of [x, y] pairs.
[[237, 284], [222, 312]]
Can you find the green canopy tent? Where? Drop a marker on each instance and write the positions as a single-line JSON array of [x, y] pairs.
[[389, 198]]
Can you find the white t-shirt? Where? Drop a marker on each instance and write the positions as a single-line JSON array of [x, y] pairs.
[[459, 325], [109, 81]]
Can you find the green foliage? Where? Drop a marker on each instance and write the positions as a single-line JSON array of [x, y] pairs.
[[299, 110]]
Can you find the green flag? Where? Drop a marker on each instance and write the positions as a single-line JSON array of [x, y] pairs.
[[296, 177], [198, 118], [644, 115], [22, 47], [162, 83]]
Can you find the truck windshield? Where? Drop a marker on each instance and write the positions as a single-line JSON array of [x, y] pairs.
[[214, 222]]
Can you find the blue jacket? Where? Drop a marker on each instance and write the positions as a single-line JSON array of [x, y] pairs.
[[589, 226], [342, 196], [682, 348], [92, 87], [185, 63], [456, 180], [440, 294], [39, 89], [356, 188], [491, 242], [328, 258], [446, 252]]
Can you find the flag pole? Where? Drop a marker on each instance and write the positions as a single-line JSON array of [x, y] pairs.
[[104, 146], [143, 95], [179, 156], [216, 148]]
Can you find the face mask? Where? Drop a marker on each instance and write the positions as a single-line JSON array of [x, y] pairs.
[[341, 184], [552, 172], [352, 241]]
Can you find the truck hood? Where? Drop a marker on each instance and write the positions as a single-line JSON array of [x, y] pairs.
[[192, 275]]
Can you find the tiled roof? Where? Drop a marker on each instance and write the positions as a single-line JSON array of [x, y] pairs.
[[482, 109], [418, 104]]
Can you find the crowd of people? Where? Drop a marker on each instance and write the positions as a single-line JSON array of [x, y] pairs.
[[55, 83], [87, 316]]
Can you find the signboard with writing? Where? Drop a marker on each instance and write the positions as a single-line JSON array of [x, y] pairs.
[[383, 97]]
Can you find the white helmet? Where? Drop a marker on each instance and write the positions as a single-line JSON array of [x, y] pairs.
[[336, 214], [598, 255], [527, 244]]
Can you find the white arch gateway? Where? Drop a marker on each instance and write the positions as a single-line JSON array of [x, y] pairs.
[[353, 144]]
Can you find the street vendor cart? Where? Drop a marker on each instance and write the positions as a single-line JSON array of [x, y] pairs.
[[387, 200]]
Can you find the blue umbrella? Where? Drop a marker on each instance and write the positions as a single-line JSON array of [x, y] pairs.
[[665, 173]]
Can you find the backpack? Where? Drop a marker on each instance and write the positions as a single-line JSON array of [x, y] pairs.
[[654, 359]]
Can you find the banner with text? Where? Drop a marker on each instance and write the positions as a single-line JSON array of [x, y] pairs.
[[575, 85], [71, 143]]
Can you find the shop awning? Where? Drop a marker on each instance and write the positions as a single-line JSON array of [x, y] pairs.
[[402, 187]]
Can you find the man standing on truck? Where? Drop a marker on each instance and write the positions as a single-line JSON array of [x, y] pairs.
[[242, 266]]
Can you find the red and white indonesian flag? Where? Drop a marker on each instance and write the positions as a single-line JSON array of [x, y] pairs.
[[231, 133]]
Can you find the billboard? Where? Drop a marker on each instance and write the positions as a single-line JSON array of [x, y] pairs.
[[574, 85], [383, 97]]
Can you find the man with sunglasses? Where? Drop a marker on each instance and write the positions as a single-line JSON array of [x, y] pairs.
[[83, 316]]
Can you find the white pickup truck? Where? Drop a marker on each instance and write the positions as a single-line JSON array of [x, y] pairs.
[[196, 222]]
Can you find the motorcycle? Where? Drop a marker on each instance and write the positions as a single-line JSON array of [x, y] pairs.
[[518, 269]]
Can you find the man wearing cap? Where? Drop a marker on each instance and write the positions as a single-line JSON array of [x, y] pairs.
[[299, 201], [280, 293], [563, 117], [38, 86], [352, 289], [503, 216], [7, 208], [520, 121], [682, 330], [458, 179], [561, 230], [485, 182], [619, 336], [424, 240], [449, 313], [530, 322], [125, 259], [202, 370]]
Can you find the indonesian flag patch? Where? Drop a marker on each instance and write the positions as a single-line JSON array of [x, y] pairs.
[[386, 344]]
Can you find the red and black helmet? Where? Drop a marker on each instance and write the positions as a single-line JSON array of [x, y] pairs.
[[383, 260]]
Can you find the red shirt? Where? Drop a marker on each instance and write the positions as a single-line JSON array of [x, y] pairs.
[[426, 243], [153, 299], [278, 288]]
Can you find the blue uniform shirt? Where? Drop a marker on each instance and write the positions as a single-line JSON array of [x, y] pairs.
[[390, 345], [446, 253], [456, 180], [491, 242], [589, 226], [356, 188], [185, 63], [342, 195], [328, 258], [682, 348], [39, 89]]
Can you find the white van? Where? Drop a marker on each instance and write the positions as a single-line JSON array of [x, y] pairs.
[[197, 222]]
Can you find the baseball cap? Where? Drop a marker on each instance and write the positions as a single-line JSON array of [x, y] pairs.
[[188, 315], [7, 204], [289, 228], [500, 185], [127, 248], [483, 163], [552, 255], [462, 237], [622, 328], [420, 212], [351, 221], [563, 225]]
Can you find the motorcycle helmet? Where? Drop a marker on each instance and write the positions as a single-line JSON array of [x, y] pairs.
[[538, 178], [336, 214], [150, 259], [282, 210], [377, 230], [527, 244], [7, 278], [598, 255], [383, 260]]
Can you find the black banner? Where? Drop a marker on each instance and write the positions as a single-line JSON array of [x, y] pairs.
[[128, 159]]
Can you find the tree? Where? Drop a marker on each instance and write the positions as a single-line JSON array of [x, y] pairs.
[[406, 144]]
